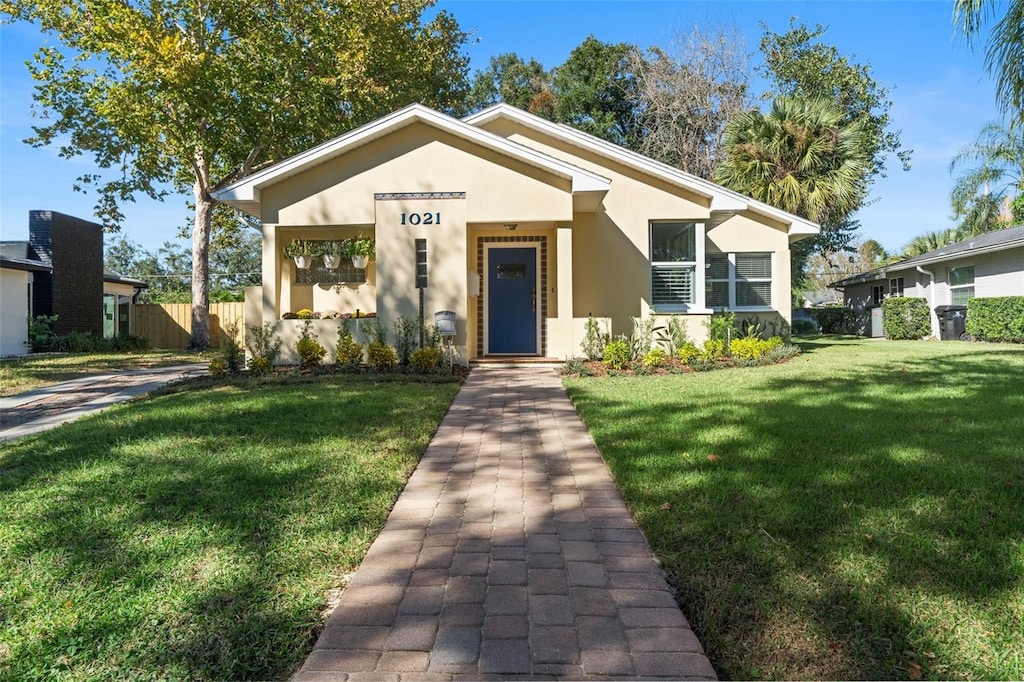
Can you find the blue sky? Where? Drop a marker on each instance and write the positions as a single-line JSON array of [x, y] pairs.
[[941, 94]]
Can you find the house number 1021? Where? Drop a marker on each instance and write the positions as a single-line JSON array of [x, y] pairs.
[[421, 218]]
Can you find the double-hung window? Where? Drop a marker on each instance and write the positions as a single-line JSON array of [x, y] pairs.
[[961, 284], [896, 286], [673, 263], [738, 281]]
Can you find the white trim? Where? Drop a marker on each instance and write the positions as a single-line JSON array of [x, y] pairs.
[[487, 293], [245, 194], [722, 199]]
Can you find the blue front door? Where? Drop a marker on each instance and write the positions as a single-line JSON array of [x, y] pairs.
[[512, 301]]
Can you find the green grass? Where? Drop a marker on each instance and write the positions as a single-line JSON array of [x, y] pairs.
[[18, 375], [852, 514], [197, 533]]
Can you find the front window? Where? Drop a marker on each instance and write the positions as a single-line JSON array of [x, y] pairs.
[[673, 263], [739, 280], [961, 284], [896, 286]]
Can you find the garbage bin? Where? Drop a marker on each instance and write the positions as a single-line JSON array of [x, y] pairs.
[[444, 320], [952, 322]]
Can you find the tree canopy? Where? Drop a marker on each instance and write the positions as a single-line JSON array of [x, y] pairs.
[[200, 93], [798, 64]]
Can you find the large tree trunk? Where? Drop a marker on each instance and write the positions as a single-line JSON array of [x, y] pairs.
[[200, 338]]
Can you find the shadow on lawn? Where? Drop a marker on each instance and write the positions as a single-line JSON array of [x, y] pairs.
[[193, 522], [832, 503]]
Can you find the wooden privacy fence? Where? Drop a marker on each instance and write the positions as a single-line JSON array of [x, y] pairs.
[[168, 325]]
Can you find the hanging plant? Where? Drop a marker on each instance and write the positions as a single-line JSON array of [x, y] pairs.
[[302, 250], [361, 250], [332, 252]]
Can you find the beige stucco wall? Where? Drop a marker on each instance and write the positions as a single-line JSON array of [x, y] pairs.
[[14, 311], [598, 263], [615, 239]]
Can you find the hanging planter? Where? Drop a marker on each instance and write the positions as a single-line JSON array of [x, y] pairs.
[[332, 252], [361, 250], [302, 251]]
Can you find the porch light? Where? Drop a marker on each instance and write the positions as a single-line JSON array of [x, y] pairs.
[[511, 226]]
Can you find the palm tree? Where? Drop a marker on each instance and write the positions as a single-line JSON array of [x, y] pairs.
[[995, 176], [930, 241], [1004, 51], [802, 157]]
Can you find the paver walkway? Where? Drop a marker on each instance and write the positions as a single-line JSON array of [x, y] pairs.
[[509, 554]]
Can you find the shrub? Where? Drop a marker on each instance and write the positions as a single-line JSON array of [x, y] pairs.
[[217, 367], [311, 352], [40, 332], [406, 331], [906, 318], [998, 318], [804, 327], [381, 356], [712, 350], [617, 354], [672, 336], [748, 348], [722, 327], [349, 352], [258, 365], [832, 319], [688, 352], [374, 331], [230, 349], [654, 358], [425, 359], [263, 342], [642, 338], [594, 339]]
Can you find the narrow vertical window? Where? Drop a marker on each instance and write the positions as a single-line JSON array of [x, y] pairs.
[[421, 263]]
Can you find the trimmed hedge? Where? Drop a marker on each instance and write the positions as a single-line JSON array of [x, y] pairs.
[[906, 318], [833, 319], [999, 318]]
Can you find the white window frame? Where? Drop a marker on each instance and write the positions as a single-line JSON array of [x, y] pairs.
[[896, 287], [698, 280], [733, 280], [954, 288]]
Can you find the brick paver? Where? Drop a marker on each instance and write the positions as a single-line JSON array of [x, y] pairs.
[[509, 555]]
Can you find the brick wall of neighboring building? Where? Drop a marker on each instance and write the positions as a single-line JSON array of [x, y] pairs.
[[74, 292]]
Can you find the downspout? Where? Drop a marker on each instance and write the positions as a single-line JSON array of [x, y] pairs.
[[931, 302]]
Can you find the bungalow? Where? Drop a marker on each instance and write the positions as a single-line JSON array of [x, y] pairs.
[[521, 227], [986, 265]]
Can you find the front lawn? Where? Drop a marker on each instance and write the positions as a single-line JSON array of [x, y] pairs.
[[18, 375], [856, 513], [196, 534]]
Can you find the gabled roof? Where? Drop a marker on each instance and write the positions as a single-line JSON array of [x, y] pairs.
[[721, 198], [998, 240], [245, 194]]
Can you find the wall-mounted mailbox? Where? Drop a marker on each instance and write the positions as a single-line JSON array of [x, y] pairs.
[[444, 320]]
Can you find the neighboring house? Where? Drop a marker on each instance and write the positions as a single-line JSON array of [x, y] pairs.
[[59, 271], [987, 265], [520, 226]]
